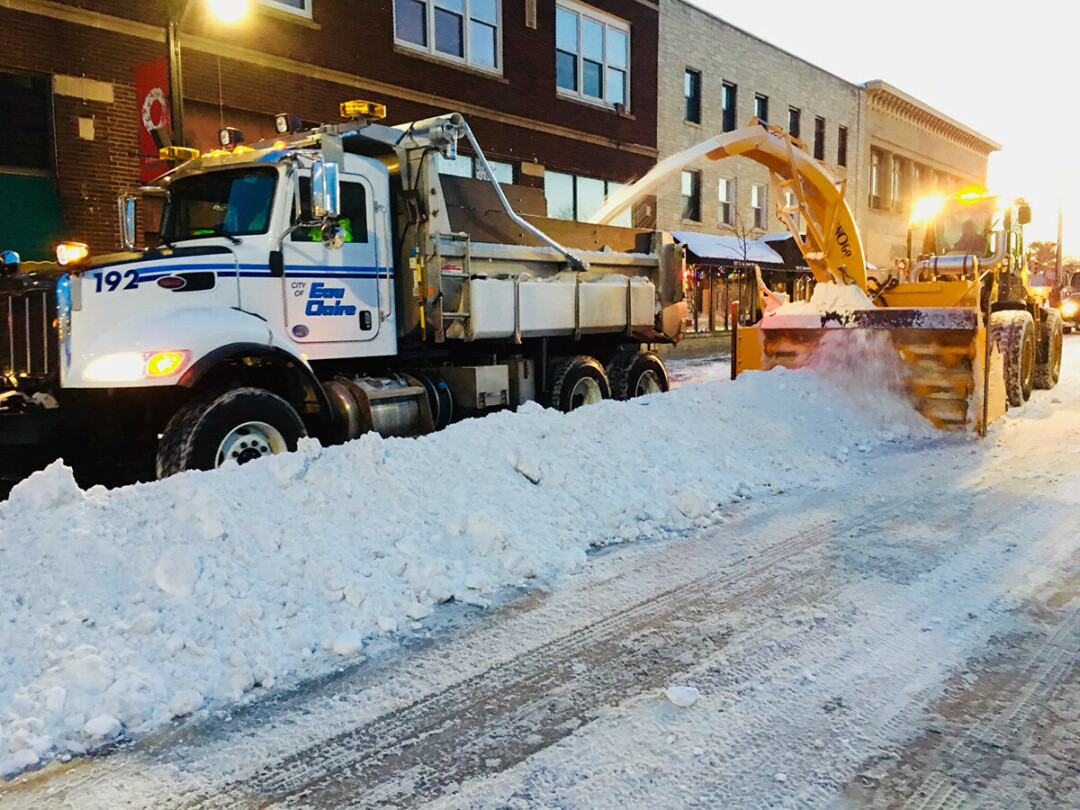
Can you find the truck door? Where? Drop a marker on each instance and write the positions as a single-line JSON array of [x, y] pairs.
[[332, 296]]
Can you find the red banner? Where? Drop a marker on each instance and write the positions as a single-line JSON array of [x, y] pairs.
[[152, 96]]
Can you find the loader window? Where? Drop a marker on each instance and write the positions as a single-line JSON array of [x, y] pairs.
[[969, 230], [232, 202], [353, 213]]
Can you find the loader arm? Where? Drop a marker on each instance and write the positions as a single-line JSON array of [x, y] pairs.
[[831, 246]]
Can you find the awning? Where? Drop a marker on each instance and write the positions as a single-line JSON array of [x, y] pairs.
[[31, 222], [728, 248]]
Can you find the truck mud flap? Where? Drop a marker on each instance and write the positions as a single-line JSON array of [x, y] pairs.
[[935, 355]]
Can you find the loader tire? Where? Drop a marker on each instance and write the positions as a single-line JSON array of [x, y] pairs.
[[1013, 332], [577, 381], [1048, 371], [634, 374], [241, 425]]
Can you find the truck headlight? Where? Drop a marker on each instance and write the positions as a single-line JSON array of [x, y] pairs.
[[131, 366], [1069, 308]]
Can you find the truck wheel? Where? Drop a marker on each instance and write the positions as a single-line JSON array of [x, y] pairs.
[[577, 381], [241, 425], [1048, 372], [1013, 332], [439, 397], [634, 374]]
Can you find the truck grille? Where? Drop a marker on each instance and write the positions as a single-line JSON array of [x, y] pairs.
[[29, 338]]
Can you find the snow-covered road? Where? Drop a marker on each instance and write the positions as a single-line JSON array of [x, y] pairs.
[[864, 616]]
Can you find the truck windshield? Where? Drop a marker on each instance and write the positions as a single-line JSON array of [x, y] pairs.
[[969, 229], [230, 202]]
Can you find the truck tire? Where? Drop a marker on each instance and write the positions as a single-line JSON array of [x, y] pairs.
[[1048, 372], [577, 381], [241, 425], [634, 374], [439, 397], [1013, 333]]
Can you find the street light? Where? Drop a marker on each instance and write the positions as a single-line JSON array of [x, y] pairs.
[[228, 11]]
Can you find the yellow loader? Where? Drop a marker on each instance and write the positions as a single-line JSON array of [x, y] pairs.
[[933, 317]]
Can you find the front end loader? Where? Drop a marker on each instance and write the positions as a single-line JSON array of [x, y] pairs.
[[933, 319]]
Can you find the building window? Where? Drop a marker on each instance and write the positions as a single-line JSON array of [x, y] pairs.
[[727, 201], [761, 107], [728, 99], [757, 203], [794, 121], [691, 196], [819, 138], [577, 198], [875, 179], [465, 166], [25, 133], [459, 30], [301, 8], [692, 95], [841, 146], [592, 55], [896, 185]]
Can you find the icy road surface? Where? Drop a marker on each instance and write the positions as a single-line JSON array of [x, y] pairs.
[[896, 627]]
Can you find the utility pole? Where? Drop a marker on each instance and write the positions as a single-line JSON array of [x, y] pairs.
[[176, 78], [1057, 259]]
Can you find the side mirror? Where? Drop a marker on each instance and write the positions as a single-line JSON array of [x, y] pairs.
[[325, 190], [1023, 214], [9, 263], [127, 221]]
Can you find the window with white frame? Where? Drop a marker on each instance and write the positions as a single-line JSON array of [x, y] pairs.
[[465, 31], [301, 8], [575, 197], [757, 203], [727, 201], [791, 203], [592, 54]]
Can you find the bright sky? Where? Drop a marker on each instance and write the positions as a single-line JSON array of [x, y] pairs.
[[1010, 71]]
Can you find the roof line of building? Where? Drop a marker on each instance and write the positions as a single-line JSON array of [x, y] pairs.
[[765, 42], [877, 89]]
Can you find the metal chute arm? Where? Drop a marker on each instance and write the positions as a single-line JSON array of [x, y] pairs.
[[832, 247]]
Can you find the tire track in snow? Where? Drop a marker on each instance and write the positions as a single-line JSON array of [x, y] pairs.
[[430, 731], [1043, 676]]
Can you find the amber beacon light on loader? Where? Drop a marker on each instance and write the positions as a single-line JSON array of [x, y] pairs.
[[965, 279]]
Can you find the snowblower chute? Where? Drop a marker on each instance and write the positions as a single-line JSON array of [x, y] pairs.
[[932, 320]]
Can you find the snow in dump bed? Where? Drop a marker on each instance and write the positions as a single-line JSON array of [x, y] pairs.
[[122, 609], [842, 299]]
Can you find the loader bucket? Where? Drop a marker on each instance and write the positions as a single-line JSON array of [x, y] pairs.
[[938, 353]]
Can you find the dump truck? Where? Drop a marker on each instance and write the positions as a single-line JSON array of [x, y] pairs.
[[327, 283], [934, 315]]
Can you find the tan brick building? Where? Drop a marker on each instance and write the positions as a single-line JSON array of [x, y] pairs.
[[911, 150], [890, 147]]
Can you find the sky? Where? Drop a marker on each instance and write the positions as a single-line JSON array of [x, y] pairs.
[[1010, 71]]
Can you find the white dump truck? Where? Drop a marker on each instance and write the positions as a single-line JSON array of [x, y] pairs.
[[328, 283]]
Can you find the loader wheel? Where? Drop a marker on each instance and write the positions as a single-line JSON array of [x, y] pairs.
[[1048, 372], [241, 425], [634, 374], [1014, 335], [577, 381]]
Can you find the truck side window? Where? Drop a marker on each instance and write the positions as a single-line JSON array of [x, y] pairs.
[[353, 213]]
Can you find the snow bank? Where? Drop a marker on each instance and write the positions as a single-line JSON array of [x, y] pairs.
[[122, 609], [842, 299]]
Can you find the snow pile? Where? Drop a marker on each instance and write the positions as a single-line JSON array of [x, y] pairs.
[[122, 609], [842, 299]]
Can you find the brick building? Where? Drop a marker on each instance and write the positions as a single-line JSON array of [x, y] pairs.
[[555, 89]]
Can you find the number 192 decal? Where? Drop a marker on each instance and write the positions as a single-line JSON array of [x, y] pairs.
[[110, 282]]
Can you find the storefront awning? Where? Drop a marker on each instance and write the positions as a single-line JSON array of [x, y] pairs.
[[31, 222], [728, 248]]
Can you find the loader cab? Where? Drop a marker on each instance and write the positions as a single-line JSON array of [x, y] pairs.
[[967, 228]]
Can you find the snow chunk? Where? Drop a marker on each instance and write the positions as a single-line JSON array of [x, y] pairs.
[[348, 643], [185, 702], [681, 696], [177, 571], [46, 489], [103, 727], [829, 297]]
